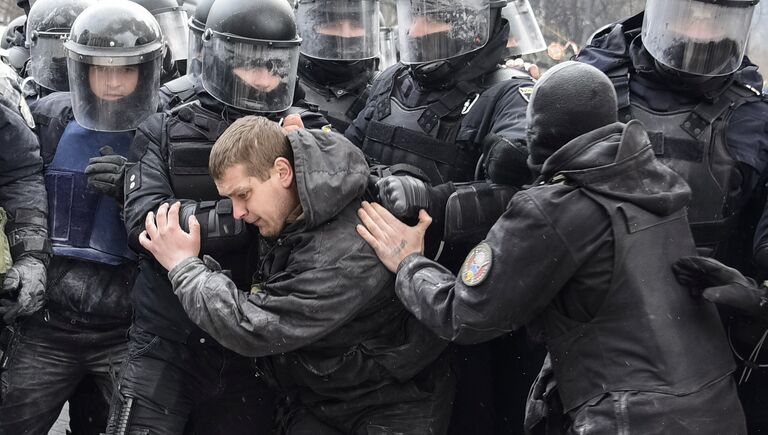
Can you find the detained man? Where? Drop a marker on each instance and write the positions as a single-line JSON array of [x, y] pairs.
[[321, 308]]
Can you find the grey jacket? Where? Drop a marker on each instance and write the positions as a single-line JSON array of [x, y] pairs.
[[324, 298]]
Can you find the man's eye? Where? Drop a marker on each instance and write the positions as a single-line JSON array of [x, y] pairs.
[[242, 195]]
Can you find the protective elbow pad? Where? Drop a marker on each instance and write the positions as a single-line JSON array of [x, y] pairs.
[[220, 232], [472, 210]]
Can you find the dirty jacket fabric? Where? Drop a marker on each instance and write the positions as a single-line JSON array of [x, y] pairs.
[[584, 258], [325, 306]]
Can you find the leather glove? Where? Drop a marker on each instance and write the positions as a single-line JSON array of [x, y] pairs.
[[106, 173], [25, 283], [403, 196], [721, 284], [506, 161]]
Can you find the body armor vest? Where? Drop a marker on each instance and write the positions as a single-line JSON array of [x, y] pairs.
[[83, 223], [339, 106], [692, 141], [649, 334], [436, 138]]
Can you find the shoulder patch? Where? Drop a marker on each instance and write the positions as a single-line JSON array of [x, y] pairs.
[[477, 265], [525, 92]]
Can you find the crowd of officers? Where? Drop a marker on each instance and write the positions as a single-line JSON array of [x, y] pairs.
[[438, 245]]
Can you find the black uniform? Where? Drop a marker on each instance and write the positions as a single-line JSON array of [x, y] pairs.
[[626, 341], [713, 134], [440, 122]]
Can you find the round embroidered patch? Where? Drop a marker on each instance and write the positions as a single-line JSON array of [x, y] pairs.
[[477, 265]]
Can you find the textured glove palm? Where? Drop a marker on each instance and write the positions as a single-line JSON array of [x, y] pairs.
[[106, 173], [25, 284], [721, 284]]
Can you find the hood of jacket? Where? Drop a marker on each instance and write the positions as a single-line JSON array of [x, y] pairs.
[[330, 173], [617, 161]]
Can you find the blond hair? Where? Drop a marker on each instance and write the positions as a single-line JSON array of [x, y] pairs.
[[252, 141]]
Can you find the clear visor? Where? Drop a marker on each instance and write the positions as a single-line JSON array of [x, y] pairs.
[[48, 62], [195, 55], [524, 33], [339, 30], [114, 98], [757, 47], [388, 44], [253, 77], [431, 30], [696, 37], [174, 27]]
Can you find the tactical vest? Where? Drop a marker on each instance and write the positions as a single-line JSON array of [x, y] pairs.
[[191, 131], [340, 106], [83, 223], [438, 138], [692, 141], [649, 334]]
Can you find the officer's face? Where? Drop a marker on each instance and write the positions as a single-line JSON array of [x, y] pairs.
[[265, 204], [259, 78], [112, 83], [422, 26], [343, 28]]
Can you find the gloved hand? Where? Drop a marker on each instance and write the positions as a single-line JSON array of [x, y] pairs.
[[403, 195], [106, 173], [506, 161], [25, 283], [721, 284]]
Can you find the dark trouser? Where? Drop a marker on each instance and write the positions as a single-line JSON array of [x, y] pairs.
[[167, 387], [493, 383], [421, 406], [49, 361]]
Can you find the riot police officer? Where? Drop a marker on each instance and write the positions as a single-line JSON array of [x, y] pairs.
[[527, 40], [172, 19], [181, 90], [447, 103], [250, 56], [26, 249], [114, 53], [679, 67], [48, 26], [13, 42], [339, 55]]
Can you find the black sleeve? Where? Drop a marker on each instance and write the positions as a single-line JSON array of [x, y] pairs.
[[22, 187]]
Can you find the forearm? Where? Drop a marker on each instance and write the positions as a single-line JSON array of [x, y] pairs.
[[435, 297]]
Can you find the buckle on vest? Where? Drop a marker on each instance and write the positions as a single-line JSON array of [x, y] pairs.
[[469, 103]]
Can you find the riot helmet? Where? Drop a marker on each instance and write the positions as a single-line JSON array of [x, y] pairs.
[[48, 26], [251, 54], [338, 29], [435, 30], [524, 33], [114, 55], [387, 47], [172, 19], [196, 29], [13, 35], [699, 37]]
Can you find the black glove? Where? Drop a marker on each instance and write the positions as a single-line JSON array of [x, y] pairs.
[[106, 173], [721, 284], [505, 161], [403, 195], [25, 284]]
